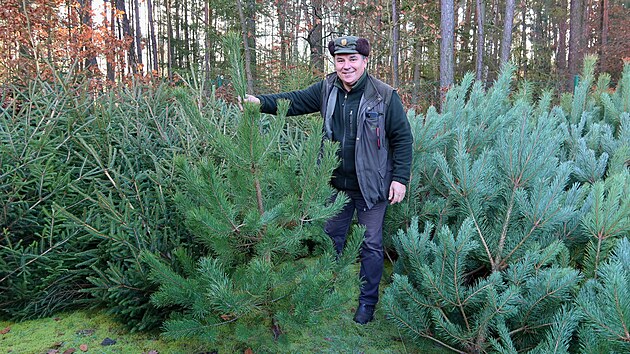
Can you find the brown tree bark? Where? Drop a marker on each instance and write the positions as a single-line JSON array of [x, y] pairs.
[[575, 37], [248, 58], [603, 44], [126, 30], [506, 41], [395, 40], [152, 38], [85, 8], [314, 37], [110, 57], [138, 36], [207, 16], [479, 13], [561, 54], [447, 28]]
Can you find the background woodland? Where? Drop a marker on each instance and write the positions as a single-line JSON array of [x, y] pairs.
[[419, 47]]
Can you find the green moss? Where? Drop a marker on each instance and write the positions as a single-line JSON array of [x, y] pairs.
[[70, 330]]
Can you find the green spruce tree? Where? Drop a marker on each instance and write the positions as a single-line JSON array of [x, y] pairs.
[[522, 201]]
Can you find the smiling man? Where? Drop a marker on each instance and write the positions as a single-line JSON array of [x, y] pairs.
[[367, 118]]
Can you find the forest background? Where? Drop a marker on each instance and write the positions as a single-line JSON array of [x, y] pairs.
[[418, 47], [131, 182]]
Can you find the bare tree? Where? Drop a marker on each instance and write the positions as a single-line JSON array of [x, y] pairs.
[[506, 41]]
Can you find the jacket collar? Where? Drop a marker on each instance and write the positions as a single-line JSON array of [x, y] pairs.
[[358, 86]]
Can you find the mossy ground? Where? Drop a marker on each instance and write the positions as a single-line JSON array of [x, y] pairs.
[[72, 329]]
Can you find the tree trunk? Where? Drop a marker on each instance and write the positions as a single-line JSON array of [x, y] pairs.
[[604, 35], [138, 33], [152, 40], [85, 8], [506, 41], [479, 13], [251, 41], [169, 40], [314, 37], [447, 28], [207, 15], [126, 30], [248, 69], [110, 57], [281, 7], [523, 61], [395, 39], [575, 36], [561, 55]]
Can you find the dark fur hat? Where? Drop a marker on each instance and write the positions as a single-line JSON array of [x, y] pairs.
[[349, 45]]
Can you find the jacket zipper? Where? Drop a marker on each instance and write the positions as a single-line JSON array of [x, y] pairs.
[[345, 133]]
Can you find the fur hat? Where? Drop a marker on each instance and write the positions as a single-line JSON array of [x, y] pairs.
[[349, 45]]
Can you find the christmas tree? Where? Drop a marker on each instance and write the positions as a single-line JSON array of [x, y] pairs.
[[256, 207], [521, 204]]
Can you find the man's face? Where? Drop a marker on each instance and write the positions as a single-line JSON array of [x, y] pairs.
[[349, 68]]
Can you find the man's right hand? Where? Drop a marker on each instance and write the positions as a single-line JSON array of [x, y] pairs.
[[248, 98]]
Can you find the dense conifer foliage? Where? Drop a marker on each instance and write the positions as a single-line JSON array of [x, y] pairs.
[[523, 204]]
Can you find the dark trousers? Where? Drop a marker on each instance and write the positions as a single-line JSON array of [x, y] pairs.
[[372, 248]]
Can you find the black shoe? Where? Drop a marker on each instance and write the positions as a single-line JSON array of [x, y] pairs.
[[364, 314]]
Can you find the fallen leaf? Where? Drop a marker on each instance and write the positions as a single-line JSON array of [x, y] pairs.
[[57, 318], [6, 330], [152, 352], [83, 347], [248, 351], [69, 350], [52, 351]]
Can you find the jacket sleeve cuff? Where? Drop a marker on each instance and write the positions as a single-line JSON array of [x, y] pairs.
[[400, 180]]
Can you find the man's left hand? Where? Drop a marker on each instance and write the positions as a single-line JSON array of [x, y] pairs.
[[397, 192]]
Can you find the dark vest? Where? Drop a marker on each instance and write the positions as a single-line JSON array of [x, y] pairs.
[[373, 157]]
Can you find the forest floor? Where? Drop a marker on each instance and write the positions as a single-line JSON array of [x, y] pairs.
[[86, 331], [97, 332]]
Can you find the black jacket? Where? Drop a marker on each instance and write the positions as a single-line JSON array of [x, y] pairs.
[[370, 124]]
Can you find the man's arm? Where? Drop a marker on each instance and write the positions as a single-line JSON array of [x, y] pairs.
[[302, 101], [400, 138]]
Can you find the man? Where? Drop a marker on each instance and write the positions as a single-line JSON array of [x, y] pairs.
[[368, 120]]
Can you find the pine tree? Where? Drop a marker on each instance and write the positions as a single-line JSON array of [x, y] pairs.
[[605, 304], [256, 208], [511, 191]]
